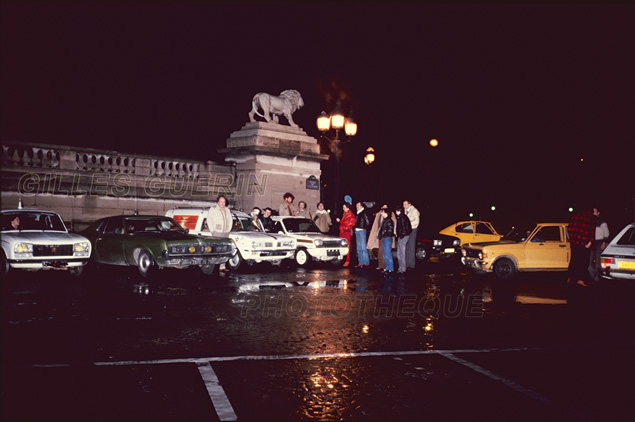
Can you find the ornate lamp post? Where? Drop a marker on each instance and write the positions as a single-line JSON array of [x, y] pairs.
[[336, 121]]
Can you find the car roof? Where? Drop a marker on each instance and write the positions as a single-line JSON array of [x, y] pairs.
[[26, 210]]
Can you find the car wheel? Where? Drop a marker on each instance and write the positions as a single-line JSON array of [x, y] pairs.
[[504, 269], [302, 257], [421, 254], [208, 269], [146, 264], [4, 264], [235, 261]]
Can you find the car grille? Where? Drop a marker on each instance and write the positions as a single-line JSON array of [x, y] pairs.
[[331, 244], [226, 247], [52, 250], [471, 253]]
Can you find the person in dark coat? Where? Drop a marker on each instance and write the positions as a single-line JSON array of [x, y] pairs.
[[362, 225], [385, 236], [404, 229]]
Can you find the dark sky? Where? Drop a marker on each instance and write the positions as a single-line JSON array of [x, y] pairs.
[[516, 94]]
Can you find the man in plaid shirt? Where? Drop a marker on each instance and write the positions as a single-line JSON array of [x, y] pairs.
[[581, 236]]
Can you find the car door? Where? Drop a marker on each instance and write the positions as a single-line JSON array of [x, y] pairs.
[[547, 248], [109, 244], [485, 233]]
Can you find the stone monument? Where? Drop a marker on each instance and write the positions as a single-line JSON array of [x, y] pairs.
[[271, 159]]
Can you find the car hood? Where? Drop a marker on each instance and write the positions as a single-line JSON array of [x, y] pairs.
[[313, 236], [259, 236], [171, 236], [41, 237], [485, 244]]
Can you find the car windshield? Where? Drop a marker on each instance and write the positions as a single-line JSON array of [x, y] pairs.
[[628, 238], [243, 224], [29, 220], [519, 233], [158, 224], [301, 225]]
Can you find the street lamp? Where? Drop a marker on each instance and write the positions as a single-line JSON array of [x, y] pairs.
[[336, 121], [369, 158]]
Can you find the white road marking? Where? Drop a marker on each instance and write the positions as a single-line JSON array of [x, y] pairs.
[[223, 407]]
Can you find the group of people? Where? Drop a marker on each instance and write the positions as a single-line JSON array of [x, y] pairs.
[[588, 237], [388, 230]]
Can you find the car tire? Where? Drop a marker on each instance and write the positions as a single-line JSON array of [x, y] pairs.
[[504, 269], [235, 261], [421, 254], [5, 267], [208, 269], [302, 257], [146, 264]]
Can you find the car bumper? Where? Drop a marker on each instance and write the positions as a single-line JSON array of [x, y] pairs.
[[267, 255], [195, 261], [327, 254], [47, 264], [614, 273], [477, 265]]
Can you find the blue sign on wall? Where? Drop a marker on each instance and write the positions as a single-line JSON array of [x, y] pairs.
[[313, 183]]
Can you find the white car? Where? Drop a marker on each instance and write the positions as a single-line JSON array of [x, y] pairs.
[[39, 240], [252, 243], [312, 243], [618, 259]]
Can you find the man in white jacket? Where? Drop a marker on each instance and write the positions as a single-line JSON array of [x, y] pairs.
[[219, 218], [601, 240], [413, 216]]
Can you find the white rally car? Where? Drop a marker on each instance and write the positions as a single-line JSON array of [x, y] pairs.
[[252, 243], [39, 240], [312, 243]]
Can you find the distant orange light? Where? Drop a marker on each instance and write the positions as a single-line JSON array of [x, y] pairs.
[[434, 142]]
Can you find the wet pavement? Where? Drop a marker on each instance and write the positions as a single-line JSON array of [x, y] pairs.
[[324, 343]]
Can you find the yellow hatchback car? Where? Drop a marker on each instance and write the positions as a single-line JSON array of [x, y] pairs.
[[537, 247], [472, 232]]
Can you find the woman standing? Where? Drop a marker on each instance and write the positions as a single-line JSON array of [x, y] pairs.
[[404, 228], [346, 224], [385, 235], [322, 218], [303, 211], [362, 224]]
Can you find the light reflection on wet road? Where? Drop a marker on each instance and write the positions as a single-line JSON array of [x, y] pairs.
[[241, 322]]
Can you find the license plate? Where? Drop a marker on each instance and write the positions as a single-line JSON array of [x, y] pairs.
[[332, 253], [629, 265], [449, 250]]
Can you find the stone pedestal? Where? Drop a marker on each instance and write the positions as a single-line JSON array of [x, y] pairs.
[[271, 159]]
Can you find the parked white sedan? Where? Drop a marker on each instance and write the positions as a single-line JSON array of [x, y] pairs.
[[312, 243], [252, 243], [39, 240], [618, 259]]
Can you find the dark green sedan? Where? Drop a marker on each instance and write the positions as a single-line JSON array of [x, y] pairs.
[[154, 242]]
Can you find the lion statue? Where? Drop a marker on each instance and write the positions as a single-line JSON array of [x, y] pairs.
[[285, 104]]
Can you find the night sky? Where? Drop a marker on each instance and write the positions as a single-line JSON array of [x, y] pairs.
[[533, 104]]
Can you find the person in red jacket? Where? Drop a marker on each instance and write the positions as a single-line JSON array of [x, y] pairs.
[[346, 225]]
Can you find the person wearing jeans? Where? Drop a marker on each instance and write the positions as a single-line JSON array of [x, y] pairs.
[[362, 223], [385, 235]]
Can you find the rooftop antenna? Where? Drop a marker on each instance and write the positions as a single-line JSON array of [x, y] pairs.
[[20, 203]]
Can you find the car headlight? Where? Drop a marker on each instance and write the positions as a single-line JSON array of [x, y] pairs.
[[288, 244], [177, 249], [344, 242], [437, 242], [456, 242], [318, 242], [482, 254], [257, 244], [23, 248], [463, 252], [207, 248], [81, 248]]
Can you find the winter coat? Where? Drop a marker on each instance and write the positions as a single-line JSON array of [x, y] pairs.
[[387, 229], [362, 221], [347, 222], [322, 220], [373, 241], [404, 228]]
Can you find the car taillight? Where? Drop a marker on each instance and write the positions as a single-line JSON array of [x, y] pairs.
[[606, 261]]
